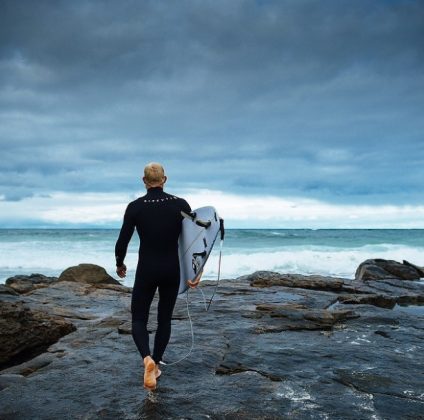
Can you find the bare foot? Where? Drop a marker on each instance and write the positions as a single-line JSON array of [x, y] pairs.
[[149, 373]]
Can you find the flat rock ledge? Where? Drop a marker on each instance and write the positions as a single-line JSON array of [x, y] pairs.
[[271, 346]]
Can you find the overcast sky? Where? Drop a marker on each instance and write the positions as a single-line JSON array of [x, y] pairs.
[[279, 113]]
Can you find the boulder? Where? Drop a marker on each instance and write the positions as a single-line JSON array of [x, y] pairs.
[[25, 332], [380, 269], [87, 273], [25, 284]]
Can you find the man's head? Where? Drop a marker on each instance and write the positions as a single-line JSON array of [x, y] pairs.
[[154, 175]]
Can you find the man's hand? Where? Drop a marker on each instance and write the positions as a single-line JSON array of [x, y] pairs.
[[121, 271]]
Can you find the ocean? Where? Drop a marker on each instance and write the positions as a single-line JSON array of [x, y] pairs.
[[333, 252]]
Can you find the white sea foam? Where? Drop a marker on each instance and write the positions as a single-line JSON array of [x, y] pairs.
[[338, 262], [52, 255]]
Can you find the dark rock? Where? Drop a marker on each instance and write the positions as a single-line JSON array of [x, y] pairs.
[[32, 365], [269, 279], [70, 313], [7, 290], [21, 286], [110, 322], [390, 289], [373, 381], [125, 328], [294, 316], [88, 273], [236, 367], [383, 301], [410, 300], [379, 269], [418, 268], [25, 284], [382, 333], [25, 332], [116, 287]]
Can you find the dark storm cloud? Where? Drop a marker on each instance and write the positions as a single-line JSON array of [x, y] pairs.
[[321, 99]]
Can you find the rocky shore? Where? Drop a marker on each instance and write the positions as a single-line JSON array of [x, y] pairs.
[[272, 346]]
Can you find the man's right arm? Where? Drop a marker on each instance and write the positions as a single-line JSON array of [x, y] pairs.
[[124, 238]]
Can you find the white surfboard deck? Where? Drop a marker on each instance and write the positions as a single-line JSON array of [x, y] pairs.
[[195, 244]]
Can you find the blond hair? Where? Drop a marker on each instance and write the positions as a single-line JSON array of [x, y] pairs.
[[154, 173]]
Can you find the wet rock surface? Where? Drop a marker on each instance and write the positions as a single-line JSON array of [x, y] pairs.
[[349, 350]]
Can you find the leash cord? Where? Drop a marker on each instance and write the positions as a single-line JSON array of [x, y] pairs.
[[219, 276], [206, 309], [192, 336]]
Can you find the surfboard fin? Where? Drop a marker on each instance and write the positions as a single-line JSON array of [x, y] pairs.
[[203, 223], [190, 216]]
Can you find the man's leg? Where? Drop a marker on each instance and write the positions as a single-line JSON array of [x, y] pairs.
[[142, 296], [168, 291]]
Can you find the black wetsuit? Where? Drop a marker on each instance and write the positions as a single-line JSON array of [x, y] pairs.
[[157, 217]]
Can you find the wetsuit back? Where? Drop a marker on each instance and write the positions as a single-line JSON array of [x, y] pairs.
[[158, 220]]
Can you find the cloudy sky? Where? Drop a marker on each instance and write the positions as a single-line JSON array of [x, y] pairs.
[[283, 113]]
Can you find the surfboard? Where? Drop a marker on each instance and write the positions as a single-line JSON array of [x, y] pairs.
[[198, 235]]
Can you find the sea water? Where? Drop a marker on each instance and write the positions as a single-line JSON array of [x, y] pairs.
[[333, 252]]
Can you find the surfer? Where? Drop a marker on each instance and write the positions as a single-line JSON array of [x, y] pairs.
[[157, 218]]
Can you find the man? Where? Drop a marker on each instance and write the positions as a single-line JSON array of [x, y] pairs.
[[157, 218]]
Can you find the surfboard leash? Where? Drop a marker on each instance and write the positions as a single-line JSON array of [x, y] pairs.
[[192, 336], [206, 309], [219, 276], [222, 230]]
